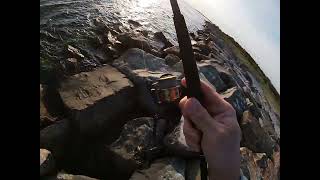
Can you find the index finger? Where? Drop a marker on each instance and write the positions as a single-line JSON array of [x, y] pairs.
[[213, 102]]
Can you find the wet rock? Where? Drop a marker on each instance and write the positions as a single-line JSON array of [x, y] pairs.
[[74, 52], [134, 23], [65, 176], [196, 49], [236, 99], [141, 66], [136, 138], [171, 59], [94, 99], [176, 144], [111, 38], [45, 118], [165, 168], [55, 137], [156, 53], [225, 75], [204, 48], [72, 65], [175, 50], [47, 163], [101, 25], [160, 36], [254, 136], [200, 57], [257, 165], [211, 73], [135, 40]]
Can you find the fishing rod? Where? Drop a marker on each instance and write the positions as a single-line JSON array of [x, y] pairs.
[[189, 67]]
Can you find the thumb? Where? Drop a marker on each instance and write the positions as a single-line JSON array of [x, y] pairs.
[[193, 110]]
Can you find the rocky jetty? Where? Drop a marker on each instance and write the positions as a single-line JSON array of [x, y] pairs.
[[98, 122]]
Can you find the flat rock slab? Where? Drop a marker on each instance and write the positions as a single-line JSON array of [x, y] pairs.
[[94, 98]]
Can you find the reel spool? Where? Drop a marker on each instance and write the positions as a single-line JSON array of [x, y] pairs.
[[167, 89]]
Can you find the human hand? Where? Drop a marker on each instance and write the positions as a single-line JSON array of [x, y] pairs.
[[213, 127]]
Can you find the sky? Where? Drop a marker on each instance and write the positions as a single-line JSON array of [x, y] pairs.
[[254, 24]]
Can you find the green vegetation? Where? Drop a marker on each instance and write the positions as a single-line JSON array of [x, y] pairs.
[[270, 92]]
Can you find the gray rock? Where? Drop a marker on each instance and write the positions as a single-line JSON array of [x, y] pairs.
[[100, 24], [162, 169], [94, 98], [204, 48], [236, 99], [55, 137], [200, 57], [175, 50], [65, 176], [74, 52], [176, 143], [136, 59], [134, 40], [213, 76], [225, 75], [258, 166], [171, 59], [160, 36], [136, 138], [143, 69], [254, 136], [134, 23], [47, 163]]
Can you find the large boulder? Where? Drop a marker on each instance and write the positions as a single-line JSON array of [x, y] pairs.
[[94, 99], [134, 40], [55, 137], [130, 149], [254, 136], [143, 69], [258, 165], [170, 168], [211, 73], [224, 73], [236, 99], [47, 163]]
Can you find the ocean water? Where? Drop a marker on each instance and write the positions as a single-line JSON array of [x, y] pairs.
[[65, 22]]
